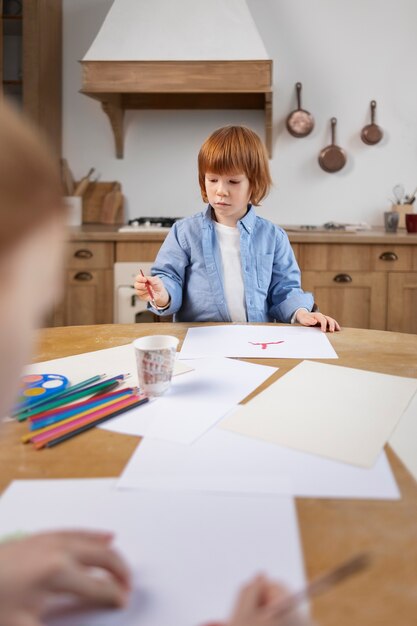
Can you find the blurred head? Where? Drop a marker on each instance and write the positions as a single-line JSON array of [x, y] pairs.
[[31, 244], [235, 151]]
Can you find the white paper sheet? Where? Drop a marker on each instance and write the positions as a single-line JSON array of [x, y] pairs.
[[336, 412], [189, 552], [404, 439], [269, 342], [195, 402], [111, 361], [227, 462]]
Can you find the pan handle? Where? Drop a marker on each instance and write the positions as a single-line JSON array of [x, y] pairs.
[[298, 87], [373, 107], [333, 122]]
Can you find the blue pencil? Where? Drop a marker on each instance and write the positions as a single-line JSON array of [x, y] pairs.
[[76, 408]]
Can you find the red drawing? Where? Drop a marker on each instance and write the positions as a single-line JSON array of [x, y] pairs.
[[264, 345]]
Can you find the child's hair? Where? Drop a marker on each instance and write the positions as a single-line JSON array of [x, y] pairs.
[[236, 150], [30, 187]]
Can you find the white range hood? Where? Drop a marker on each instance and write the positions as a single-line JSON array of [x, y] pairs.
[[178, 54]]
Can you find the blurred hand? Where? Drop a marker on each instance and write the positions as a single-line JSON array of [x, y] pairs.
[[45, 566], [314, 319], [254, 607], [159, 293]]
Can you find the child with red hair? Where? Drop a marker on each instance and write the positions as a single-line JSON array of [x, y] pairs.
[[227, 264]]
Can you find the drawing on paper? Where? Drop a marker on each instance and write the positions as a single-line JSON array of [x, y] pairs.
[[265, 344]]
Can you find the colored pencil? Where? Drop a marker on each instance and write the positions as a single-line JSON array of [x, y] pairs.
[[87, 391], [56, 429], [86, 427], [55, 415], [59, 394], [92, 420], [77, 415]]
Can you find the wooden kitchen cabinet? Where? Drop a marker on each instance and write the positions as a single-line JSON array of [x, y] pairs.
[[364, 280], [89, 285], [355, 299], [402, 302]]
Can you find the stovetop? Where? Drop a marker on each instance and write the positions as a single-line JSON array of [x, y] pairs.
[[148, 223]]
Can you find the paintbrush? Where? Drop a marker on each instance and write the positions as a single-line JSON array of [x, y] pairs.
[[322, 584]]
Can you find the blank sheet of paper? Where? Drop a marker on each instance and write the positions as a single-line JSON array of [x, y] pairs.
[[336, 412], [227, 462], [111, 361], [404, 438], [189, 553], [269, 342], [195, 402]]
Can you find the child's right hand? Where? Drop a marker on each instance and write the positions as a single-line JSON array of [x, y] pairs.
[[47, 566], [160, 294], [254, 607]]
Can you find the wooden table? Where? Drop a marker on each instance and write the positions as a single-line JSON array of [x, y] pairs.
[[331, 530]]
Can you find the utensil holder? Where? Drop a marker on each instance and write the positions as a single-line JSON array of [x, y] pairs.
[[402, 209]]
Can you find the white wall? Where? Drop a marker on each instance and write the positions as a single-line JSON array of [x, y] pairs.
[[344, 52]]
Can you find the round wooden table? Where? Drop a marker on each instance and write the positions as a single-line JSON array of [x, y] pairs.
[[331, 530]]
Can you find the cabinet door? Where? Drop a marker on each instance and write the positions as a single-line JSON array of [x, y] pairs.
[[355, 299], [89, 298], [402, 302]]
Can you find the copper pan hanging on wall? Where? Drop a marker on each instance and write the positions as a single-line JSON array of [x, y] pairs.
[[300, 123], [332, 158], [372, 133]]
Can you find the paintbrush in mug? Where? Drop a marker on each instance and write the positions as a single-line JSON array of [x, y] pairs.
[[321, 584]]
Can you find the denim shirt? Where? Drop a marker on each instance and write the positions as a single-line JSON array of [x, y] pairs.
[[189, 265]]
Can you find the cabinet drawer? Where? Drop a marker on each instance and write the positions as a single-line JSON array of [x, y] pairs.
[[393, 258], [338, 257], [137, 251], [88, 255], [355, 299]]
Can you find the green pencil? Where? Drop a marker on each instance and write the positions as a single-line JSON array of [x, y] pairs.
[[60, 394], [87, 391]]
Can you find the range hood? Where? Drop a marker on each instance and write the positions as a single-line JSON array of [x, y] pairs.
[[178, 54]]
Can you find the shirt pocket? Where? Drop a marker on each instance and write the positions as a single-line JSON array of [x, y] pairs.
[[264, 263]]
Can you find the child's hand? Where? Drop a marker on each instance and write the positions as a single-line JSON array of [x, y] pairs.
[[47, 566], [254, 607], [159, 293], [314, 319]]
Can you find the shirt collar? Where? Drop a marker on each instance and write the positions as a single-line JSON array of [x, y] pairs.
[[248, 221]]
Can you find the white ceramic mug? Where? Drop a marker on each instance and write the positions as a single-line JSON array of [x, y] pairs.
[[155, 360]]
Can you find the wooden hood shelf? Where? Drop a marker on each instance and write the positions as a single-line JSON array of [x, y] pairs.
[[126, 66]]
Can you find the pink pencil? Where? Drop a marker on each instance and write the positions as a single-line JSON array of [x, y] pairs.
[[55, 432]]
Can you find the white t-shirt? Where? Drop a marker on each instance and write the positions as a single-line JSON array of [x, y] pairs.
[[228, 238]]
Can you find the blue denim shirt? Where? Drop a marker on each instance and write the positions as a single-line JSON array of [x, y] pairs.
[[189, 264]]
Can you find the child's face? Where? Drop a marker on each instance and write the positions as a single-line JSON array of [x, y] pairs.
[[228, 195]]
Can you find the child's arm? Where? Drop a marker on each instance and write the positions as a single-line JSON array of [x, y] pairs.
[[168, 274], [285, 295]]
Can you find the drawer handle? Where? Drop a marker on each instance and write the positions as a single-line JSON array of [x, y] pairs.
[[388, 256], [83, 254], [84, 276], [342, 278]]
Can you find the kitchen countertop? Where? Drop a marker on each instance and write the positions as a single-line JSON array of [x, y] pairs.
[[100, 232]]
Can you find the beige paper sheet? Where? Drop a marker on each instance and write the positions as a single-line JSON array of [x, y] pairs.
[[336, 412]]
